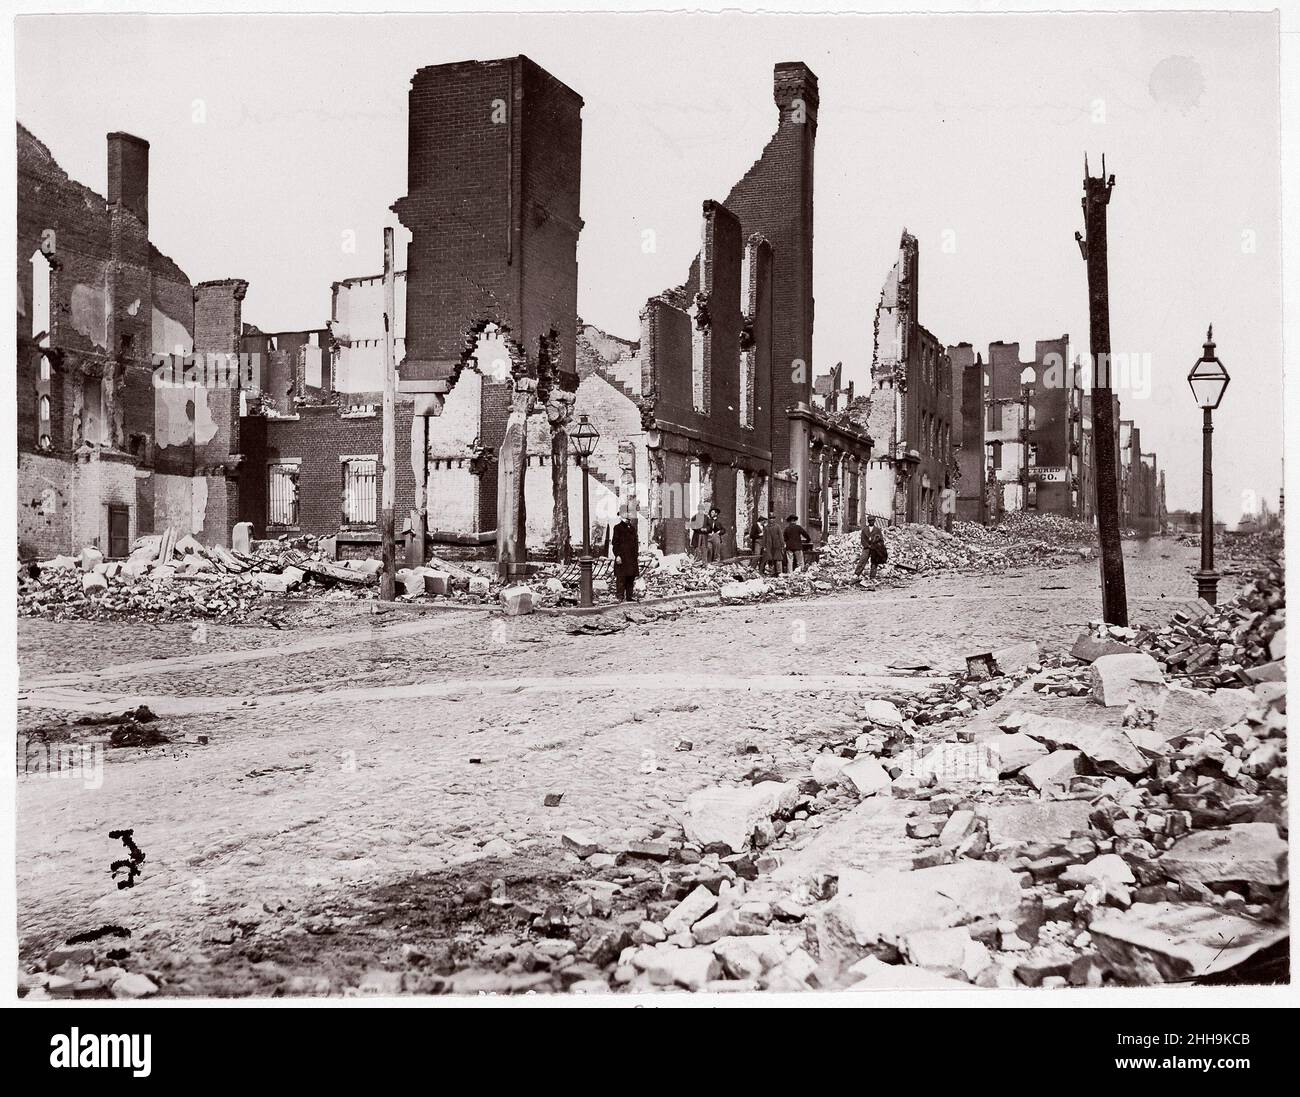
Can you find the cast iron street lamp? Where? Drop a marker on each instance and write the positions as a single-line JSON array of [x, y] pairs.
[[583, 439], [1208, 381]]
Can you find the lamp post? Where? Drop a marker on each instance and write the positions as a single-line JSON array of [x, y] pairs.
[[583, 439], [1208, 380]]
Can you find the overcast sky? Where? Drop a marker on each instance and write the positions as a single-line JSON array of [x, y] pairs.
[[274, 137]]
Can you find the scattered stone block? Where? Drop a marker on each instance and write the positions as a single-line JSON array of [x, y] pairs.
[[667, 965], [1110, 749], [1011, 824], [1159, 942], [866, 775], [1055, 769], [1015, 752], [1088, 648], [728, 815], [517, 600], [241, 537], [1119, 680], [1253, 852], [690, 910]]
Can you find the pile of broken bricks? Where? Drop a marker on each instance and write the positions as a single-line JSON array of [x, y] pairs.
[[1139, 839], [171, 577]]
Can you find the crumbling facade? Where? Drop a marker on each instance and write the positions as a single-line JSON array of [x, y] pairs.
[[712, 405], [1033, 428], [492, 204], [127, 376], [909, 478], [968, 454]]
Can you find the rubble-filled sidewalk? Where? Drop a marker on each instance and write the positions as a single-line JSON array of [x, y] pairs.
[[1045, 820], [172, 577]]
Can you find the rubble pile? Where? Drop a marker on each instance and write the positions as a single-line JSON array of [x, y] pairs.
[[1139, 840], [1239, 643]]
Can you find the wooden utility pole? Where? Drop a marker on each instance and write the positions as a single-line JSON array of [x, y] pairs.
[[1096, 197], [388, 454]]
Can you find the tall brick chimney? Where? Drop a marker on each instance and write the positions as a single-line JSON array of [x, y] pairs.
[[128, 173]]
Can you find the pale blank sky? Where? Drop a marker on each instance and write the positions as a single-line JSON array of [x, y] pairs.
[[966, 129]]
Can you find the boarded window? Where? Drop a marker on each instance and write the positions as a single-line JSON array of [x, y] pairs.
[[359, 490], [283, 495], [995, 417]]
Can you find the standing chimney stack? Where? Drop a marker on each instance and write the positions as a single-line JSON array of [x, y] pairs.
[[128, 174]]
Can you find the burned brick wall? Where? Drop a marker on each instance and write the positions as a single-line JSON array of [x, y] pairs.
[[775, 200], [492, 203], [706, 354]]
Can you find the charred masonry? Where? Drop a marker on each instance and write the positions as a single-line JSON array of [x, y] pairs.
[[715, 403]]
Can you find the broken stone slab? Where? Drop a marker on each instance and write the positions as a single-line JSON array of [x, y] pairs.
[[668, 965], [866, 775], [437, 583], [479, 584], [728, 815], [134, 985], [951, 952], [1183, 710], [91, 557], [1011, 824], [882, 713], [739, 591], [950, 763], [1253, 852], [1015, 752], [517, 600], [957, 829], [93, 582], [241, 537], [1268, 672], [690, 910], [268, 581], [827, 768], [1088, 648], [873, 908], [1162, 942], [581, 844], [1110, 749], [1119, 680], [1054, 769], [1277, 645]]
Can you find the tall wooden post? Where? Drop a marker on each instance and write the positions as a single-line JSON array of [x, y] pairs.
[[1096, 197], [388, 448]]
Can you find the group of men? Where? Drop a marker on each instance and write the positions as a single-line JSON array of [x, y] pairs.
[[781, 548]]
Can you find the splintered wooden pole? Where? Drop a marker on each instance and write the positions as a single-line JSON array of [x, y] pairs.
[[1096, 197], [388, 447]]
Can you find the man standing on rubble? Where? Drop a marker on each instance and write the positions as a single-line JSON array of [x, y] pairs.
[[771, 547], [874, 550], [627, 554], [713, 532], [794, 535]]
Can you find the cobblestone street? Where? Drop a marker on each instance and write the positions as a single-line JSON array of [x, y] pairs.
[[316, 762]]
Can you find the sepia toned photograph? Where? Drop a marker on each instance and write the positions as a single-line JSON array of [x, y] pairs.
[[648, 508]]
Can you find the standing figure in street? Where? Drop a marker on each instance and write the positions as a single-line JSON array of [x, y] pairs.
[[771, 547], [713, 533], [874, 551], [699, 527], [627, 555], [795, 536]]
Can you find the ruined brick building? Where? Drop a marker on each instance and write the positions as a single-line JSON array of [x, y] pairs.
[[911, 403], [1033, 428], [967, 391], [712, 404], [116, 434]]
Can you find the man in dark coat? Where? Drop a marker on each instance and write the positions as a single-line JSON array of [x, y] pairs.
[[795, 535], [874, 551], [771, 547], [627, 555]]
